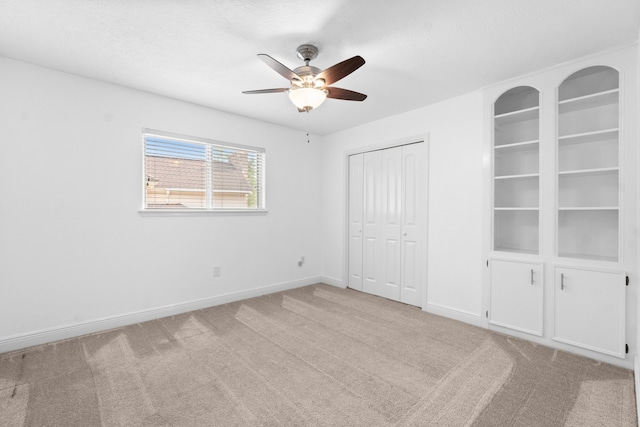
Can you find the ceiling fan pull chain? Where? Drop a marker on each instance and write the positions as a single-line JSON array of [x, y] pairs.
[[308, 126]]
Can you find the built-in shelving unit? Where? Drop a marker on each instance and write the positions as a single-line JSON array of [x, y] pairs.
[[562, 172], [588, 166], [516, 171]]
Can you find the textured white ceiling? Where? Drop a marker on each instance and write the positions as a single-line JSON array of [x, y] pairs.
[[418, 51]]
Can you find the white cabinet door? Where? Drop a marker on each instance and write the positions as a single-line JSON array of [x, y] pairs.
[[414, 215], [590, 309], [517, 295], [356, 200]]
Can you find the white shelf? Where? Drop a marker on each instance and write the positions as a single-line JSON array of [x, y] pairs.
[[590, 257], [524, 111], [527, 115], [596, 171], [589, 208], [516, 250], [513, 145], [523, 176], [605, 95], [584, 135], [516, 209]]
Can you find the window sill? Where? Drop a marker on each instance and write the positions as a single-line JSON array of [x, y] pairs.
[[201, 212]]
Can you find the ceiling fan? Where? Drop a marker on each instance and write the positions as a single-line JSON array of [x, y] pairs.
[[309, 85]]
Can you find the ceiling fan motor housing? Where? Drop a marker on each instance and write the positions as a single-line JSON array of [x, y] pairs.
[[308, 75], [307, 70]]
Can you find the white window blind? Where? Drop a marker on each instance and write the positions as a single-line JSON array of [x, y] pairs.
[[189, 173]]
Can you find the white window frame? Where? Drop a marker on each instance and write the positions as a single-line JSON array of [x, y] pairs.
[[209, 210]]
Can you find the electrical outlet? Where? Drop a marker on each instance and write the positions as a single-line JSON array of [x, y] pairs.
[[301, 262], [216, 271]]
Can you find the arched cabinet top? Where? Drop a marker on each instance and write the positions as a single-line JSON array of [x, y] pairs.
[[589, 81], [516, 99]]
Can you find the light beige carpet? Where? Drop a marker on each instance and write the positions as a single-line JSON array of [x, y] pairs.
[[315, 356]]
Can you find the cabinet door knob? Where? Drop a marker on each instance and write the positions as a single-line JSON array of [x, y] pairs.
[[532, 277], [562, 281]]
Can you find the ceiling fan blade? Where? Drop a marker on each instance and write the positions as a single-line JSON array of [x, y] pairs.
[[252, 92], [278, 67], [345, 94], [341, 70]]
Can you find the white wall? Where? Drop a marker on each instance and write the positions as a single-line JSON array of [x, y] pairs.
[[455, 134], [73, 246], [637, 306], [637, 237]]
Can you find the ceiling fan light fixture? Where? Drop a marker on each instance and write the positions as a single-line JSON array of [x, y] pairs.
[[310, 86], [307, 98]]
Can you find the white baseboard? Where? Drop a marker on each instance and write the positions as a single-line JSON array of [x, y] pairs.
[[333, 282], [636, 374], [452, 313], [30, 339]]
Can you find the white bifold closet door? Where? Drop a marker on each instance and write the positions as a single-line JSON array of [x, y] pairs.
[[387, 222]]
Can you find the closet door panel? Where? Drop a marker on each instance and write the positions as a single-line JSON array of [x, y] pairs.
[[392, 273], [374, 265], [410, 289], [356, 205], [392, 217], [414, 213], [370, 273]]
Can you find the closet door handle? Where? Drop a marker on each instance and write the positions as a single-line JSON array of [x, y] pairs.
[[562, 281], [532, 277]]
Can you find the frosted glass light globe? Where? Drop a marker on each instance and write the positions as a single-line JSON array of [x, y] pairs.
[[307, 98]]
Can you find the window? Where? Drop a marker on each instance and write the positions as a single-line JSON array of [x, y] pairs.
[[187, 173]]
